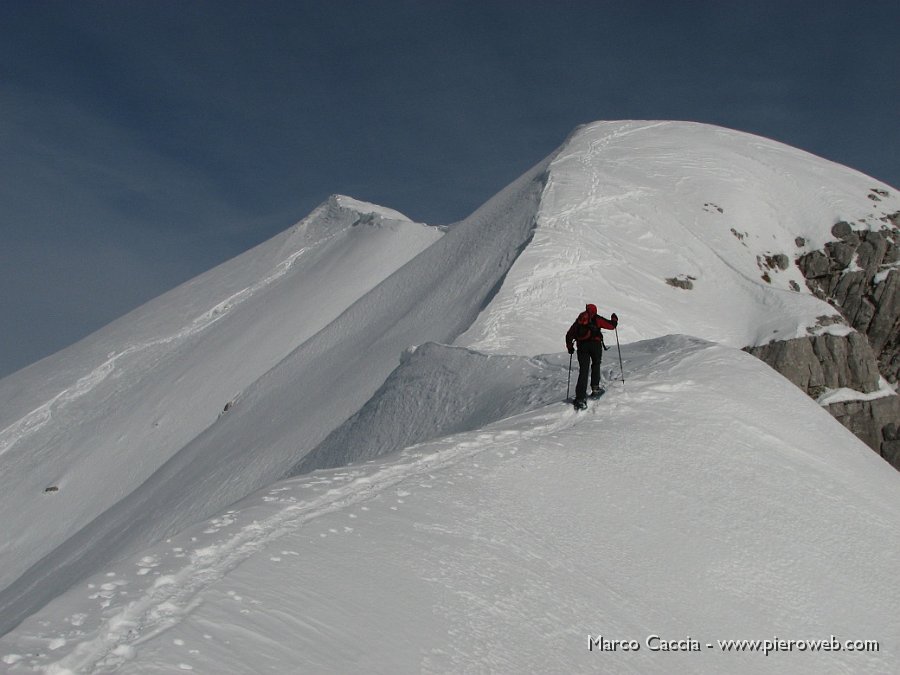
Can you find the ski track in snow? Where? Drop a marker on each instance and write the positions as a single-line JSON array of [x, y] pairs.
[[173, 594], [40, 416]]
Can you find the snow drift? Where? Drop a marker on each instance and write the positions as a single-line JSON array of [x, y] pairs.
[[437, 391]]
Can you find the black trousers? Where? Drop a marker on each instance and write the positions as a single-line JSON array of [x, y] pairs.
[[590, 354]]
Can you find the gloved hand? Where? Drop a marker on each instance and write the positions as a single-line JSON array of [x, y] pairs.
[[614, 319], [570, 348]]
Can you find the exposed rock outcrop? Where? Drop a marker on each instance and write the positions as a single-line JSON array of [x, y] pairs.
[[822, 362], [684, 281], [858, 274], [874, 422]]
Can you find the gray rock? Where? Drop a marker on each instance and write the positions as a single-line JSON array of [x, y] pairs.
[[794, 359], [869, 420], [864, 315], [780, 260], [814, 265], [842, 229], [889, 364], [686, 284], [892, 254], [861, 363], [858, 360], [870, 253], [883, 328], [841, 252], [890, 450]]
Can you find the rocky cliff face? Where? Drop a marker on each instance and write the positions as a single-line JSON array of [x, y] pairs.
[[859, 274], [821, 362]]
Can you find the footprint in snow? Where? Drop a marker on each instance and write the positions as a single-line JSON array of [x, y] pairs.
[[77, 619]]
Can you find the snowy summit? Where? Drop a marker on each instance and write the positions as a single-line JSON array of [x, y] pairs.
[[347, 450]]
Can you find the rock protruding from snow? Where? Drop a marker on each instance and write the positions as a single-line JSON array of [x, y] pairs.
[[823, 361], [860, 274], [820, 363], [874, 422]]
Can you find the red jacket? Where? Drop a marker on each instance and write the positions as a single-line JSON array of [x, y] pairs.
[[587, 326]]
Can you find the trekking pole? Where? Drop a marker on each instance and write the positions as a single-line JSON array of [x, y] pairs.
[[621, 368], [569, 381]]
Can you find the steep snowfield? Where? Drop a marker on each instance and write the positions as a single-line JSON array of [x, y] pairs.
[[707, 497], [96, 420], [630, 204], [685, 505], [288, 410]]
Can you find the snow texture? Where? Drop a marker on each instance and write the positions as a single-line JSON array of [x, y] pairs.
[[679, 506], [631, 204], [290, 408], [481, 525], [143, 387]]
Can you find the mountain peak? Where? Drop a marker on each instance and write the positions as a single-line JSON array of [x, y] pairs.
[[365, 208], [679, 227]]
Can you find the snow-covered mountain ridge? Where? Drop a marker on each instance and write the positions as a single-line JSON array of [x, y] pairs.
[[629, 205], [113, 408], [305, 341], [692, 229], [338, 355]]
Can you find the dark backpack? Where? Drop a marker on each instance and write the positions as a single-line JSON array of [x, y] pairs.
[[588, 329]]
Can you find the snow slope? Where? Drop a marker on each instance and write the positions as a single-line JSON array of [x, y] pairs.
[[630, 204], [307, 339], [110, 410], [681, 505], [288, 410], [431, 394]]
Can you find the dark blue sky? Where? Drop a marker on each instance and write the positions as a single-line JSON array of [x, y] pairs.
[[144, 142]]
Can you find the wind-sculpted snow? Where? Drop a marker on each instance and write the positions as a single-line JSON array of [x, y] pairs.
[[293, 407], [21, 429], [331, 224], [437, 391], [633, 211], [162, 585], [682, 504], [112, 409]]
